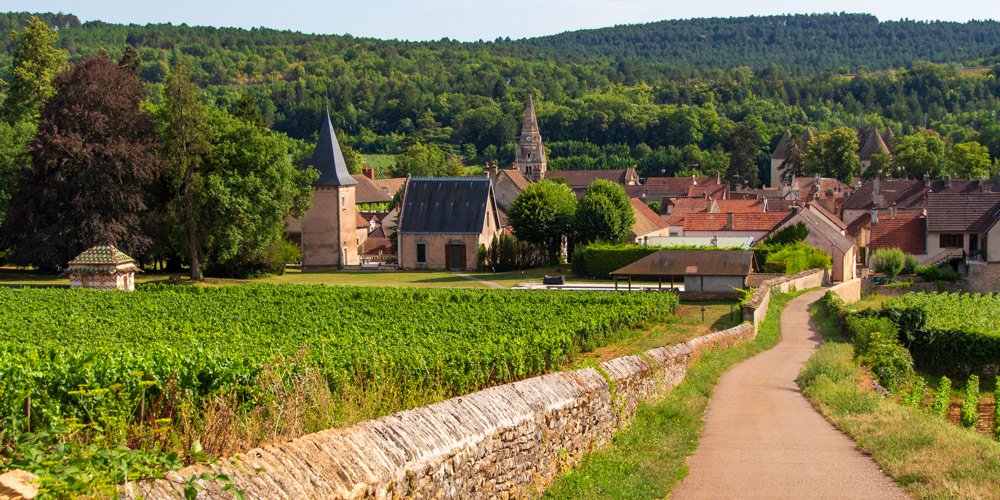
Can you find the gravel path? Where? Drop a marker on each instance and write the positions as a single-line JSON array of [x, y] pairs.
[[762, 438]]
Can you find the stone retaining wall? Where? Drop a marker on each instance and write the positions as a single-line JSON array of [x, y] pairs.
[[505, 441], [848, 291], [755, 308]]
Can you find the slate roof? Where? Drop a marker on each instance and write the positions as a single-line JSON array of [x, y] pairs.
[[741, 222], [456, 205], [909, 193], [962, 213], [873, 143], [691, 263], [102, 259], [646, 220], [580, 179], [328, 159]]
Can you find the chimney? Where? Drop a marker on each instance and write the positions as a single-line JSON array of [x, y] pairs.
[[708, 203], [892, 211], [876, 187], [368, 172], [947, 181], [874, 216], [694, 180], [729, 221], [718, 177], [927, 181], [982, 184], [765, 205], [715, 240]]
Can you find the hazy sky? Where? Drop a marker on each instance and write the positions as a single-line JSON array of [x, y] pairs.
[[474, 19]]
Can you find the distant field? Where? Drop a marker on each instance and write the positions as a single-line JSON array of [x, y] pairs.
[[382, 163]]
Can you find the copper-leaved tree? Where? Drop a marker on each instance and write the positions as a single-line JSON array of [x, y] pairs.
[[92, 162]]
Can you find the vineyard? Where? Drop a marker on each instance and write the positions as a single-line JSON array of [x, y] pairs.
[[949, 332], [110, 357]]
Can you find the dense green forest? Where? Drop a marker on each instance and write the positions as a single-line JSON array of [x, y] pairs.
[[662, 96]]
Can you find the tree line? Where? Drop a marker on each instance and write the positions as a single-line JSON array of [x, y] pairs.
[[90, 159]]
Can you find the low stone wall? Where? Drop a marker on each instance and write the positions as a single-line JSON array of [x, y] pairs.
[[756, 279], [506, 441], [848, 291], [755, 308]]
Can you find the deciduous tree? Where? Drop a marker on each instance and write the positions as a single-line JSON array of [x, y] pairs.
[[543, 213], [92, 162]]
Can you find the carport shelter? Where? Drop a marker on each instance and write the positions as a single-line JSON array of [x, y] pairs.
[[703, 270]]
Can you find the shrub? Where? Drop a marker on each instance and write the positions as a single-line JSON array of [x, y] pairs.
[[877, 346], [788, 235], [942, 398], [915, 397], [270, 260], [790, 258], [867, 331], [889, 261], [507, 253], [910, 264], [943, 272], [970, 404], [996, 409]]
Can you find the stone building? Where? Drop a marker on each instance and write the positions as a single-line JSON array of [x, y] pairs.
[[530, 157], [444, 222], [102, 267], [329, 228]]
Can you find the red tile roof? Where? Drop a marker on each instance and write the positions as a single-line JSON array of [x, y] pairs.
[[646, 220], [907, 232], [741, 221]]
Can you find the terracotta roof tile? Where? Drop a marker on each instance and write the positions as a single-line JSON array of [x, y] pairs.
[[646, 220], [741, 221], [907, 232]]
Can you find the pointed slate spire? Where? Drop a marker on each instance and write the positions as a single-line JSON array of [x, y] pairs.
[[530, 126], [328, 159]]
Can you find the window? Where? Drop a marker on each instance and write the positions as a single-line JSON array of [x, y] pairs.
[[343, 202], [951, 241], [421, 253]]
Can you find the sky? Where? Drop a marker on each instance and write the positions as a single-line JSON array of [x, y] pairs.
[[474, 19]]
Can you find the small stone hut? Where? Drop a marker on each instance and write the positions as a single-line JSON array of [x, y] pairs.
[[102, 267]]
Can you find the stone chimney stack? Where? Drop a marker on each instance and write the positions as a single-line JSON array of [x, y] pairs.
[[874, 216], [765, 205], [876, 187], [892, 211], [729, 221], [368, 172], [927, 181]]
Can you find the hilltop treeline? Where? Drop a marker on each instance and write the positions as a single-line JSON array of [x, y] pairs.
[[599, 106]]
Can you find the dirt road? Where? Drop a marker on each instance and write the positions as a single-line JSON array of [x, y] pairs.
[[762, 439]]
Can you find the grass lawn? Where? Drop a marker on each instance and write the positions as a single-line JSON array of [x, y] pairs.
[[926, 455], [648, 458]]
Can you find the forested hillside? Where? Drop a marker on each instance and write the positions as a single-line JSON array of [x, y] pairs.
[[804, 43], [659, 96]]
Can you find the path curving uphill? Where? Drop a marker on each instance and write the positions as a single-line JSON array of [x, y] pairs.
[[763, 439]]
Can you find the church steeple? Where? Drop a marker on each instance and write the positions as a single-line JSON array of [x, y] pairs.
[[530, 157], [328, 158]]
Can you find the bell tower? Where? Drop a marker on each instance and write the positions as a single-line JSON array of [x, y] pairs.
[[530, 157], [329, 234]]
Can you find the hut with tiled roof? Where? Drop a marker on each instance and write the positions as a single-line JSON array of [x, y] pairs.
[[102, 267]]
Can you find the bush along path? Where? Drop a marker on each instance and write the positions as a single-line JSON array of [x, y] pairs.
[[763, 439]]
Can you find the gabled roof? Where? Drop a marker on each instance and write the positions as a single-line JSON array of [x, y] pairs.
[[872, 144], [368, 191], [817, 228], [691, 262], [456, 205], [328, 158], [646, 220], [515, 176], [821, 210], [909, 193], [102, 259], [360, 222], [741, 222], [962, 213], [580, 179], [907, 232]]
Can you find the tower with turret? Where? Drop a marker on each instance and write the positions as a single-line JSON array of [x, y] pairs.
[[530, 157], [329, 234]]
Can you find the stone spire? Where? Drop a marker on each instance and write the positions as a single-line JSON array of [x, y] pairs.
[[530, 157], [328, 159]]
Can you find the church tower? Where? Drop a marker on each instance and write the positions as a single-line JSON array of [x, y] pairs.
[[329, 236], [530, 157]]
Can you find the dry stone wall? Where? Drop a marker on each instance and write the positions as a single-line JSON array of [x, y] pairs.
[[755, 308], [505, 441]]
